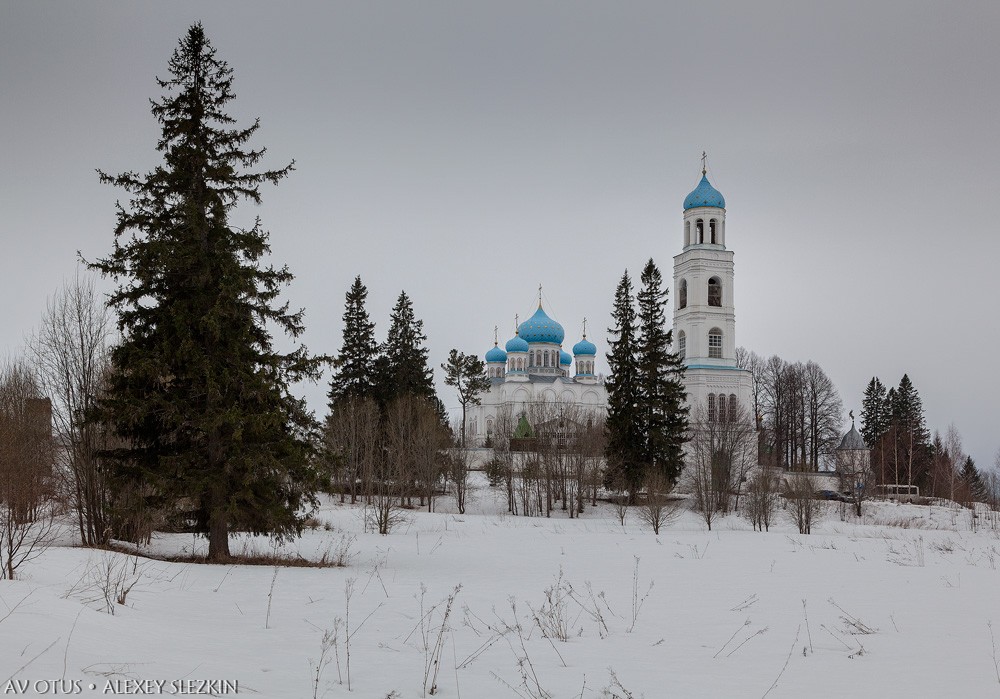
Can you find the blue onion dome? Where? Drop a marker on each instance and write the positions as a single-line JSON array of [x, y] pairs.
[[517, 344], [541, 328], [496, 355], [585, 347], [704, 195], [564, 358]]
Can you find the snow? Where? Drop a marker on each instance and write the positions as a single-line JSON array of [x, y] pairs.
[[898, 604]]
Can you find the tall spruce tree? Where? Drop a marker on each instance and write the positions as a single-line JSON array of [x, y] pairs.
[[912, 439], [973, 481], [625, 445], [661, 393], [875, 413], [198, 395], [406, 371], [357, 367]]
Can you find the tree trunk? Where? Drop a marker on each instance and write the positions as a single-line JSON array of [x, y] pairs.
[[218, 536]]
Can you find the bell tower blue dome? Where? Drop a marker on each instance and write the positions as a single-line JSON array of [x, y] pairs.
[[704, 195], [541, 328]]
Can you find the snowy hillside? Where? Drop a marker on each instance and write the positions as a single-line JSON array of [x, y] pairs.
[[900, 605]]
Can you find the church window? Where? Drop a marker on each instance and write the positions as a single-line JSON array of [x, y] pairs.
[[714, 292], [711, 407], [489, 427], [699, 227], [732, 407], [545, 358], [712, 230], [682, 295], [715, 343], [722, 407], [682, 342]]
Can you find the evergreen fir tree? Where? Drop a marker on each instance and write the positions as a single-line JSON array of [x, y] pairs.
[[625, 445], [357, 367], [198, 394], [406, 372], [912, 439], [973, 481], [875, 412], [661, 390]]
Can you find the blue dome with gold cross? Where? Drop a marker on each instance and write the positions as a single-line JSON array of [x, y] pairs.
[[541, 328], [704, 195], [585, 348]]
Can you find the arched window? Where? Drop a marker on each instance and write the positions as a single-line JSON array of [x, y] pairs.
[[711, 407], [715, 343], [732, 407], [712, 226], [682, 342], [699, 228], [714, 292], [682, 294], [489, 427], [687, 233], [722, 407]]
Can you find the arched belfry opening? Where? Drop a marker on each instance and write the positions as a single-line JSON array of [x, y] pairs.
[[714, 292]]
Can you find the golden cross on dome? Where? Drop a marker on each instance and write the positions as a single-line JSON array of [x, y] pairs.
[[496, 335], [517, 322], [584, 328], [704, 158], [539, 295]]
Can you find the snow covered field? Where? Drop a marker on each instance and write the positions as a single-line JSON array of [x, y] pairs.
[[860, 609]]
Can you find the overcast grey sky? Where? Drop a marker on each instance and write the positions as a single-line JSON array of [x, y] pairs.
[[467, 152]]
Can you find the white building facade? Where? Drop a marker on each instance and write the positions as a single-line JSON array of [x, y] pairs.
[[533, 376], [705, 310]]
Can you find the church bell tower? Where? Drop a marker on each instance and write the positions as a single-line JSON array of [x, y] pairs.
[[704, 309]]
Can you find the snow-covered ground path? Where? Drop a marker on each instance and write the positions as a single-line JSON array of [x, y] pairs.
[[855, 609]]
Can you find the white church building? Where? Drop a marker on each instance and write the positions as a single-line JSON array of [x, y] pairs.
[[533, 369], [533, 375]]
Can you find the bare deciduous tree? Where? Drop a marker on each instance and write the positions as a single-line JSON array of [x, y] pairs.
[[720, 454], [805, 508], [352, 437], [26, 490], [657, 509], [70, 352], [762, 499], [459, 465], [801, 413], [858, 476]]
